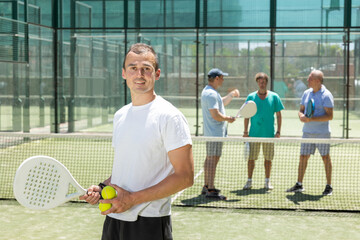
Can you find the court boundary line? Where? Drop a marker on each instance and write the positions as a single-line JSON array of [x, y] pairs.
[[179, 193]]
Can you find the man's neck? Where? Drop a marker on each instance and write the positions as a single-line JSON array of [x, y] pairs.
[[142, 99], [262, 91], [213, 85], [316, 88]]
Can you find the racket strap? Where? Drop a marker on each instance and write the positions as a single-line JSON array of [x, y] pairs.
[[101, 185]]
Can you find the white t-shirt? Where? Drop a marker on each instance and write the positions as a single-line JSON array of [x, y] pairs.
[[142, 137]]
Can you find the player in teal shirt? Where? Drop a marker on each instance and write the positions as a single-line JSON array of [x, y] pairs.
[[263, 125]]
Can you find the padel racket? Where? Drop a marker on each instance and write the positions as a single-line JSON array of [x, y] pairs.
[[42, 183], [309, 111], [247, 110]]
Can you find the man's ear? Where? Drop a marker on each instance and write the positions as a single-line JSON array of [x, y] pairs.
[[157, 74], [123, 74]]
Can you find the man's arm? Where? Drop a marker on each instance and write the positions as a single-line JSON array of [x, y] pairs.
[[183, 177], [279, 120], [228, 98], [246, 125], [301, 114], [324, 118], [218, 116], [93, 193]]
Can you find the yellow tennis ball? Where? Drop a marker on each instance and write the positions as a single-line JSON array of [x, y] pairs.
[[108, 192], [104, 206]]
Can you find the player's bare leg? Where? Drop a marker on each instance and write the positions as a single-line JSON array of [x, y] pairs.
[[210, 170], [298, 187], [328, 168], [267, 165], [251, 166], [302, 167]]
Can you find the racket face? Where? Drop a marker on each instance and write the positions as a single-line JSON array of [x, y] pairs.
[[247, 110], [310, 108], [41, 183]]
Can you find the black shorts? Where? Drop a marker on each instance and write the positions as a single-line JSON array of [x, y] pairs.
[[144, 228]]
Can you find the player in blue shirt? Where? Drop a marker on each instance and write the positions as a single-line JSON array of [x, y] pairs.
[[315, 127], [215, 119]]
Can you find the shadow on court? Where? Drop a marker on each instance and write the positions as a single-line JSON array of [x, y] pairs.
[[299, 197], [242, 192], [201, 199]]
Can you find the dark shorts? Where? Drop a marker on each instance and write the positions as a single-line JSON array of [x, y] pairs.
[[144, 228]]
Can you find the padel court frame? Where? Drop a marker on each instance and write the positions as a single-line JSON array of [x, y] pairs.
[[63, 110]]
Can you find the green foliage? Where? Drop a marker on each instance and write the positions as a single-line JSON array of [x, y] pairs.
[[331, 50]]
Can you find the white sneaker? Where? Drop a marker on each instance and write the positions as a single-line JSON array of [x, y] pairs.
[[268, 186], [248, 185]]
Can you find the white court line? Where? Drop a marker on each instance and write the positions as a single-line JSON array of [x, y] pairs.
[[179, 193]]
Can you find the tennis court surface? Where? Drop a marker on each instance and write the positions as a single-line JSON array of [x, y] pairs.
[[77, 221]]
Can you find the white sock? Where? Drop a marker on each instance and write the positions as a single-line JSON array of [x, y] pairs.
[[300, 183], [267, 180], [249, 179]]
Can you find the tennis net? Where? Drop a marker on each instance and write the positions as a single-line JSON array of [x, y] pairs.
[[89, 158]]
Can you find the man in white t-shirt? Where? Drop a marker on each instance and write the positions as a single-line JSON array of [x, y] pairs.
[[153, 156]]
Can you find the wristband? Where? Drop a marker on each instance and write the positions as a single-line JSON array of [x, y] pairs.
[[101, 185]]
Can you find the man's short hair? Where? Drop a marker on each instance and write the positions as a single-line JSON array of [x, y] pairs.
[[261, 75], [142, 48], [318, 75]]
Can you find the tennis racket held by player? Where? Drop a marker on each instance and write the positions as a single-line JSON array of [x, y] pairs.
[[247, 110], [310, 108]]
